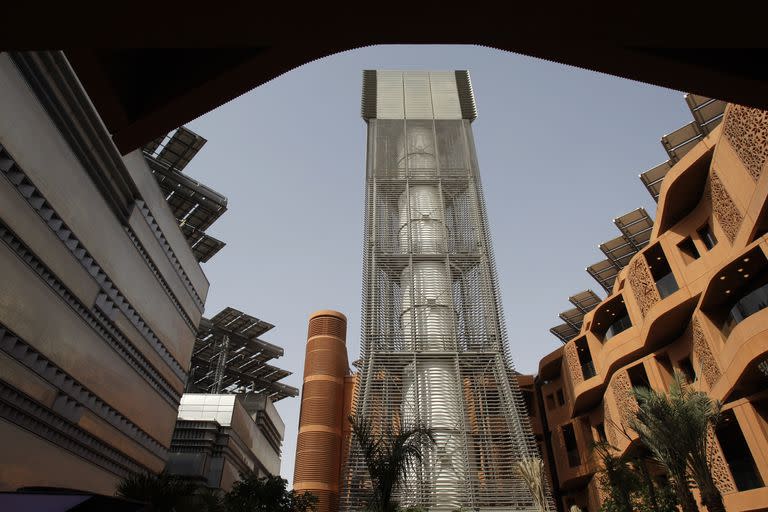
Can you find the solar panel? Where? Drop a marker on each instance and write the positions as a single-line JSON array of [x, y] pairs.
[[586, 301], [228, 357], [565, 332], [636, 226], [573, 317], [618, 251], [653, 178], [604, 272], [180, 149]]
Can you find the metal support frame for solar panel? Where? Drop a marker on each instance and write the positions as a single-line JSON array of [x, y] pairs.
[[564, 332], [229, 357], [586, 301]]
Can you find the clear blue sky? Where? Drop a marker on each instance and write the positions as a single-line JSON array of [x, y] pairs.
[[560, 150]]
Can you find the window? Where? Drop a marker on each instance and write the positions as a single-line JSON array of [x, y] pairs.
[[689, 250], [706, 235], [661, 271], [686, 367], [746, 306], [600, 429], [585, 358], [560, 397], [638, 376], [737, 454], [550, 402], [570, 446]]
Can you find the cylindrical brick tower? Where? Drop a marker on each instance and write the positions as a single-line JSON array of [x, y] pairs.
[[321, 423]]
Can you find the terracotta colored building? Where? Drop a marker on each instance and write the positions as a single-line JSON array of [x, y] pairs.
[[689, 293], [326, 401]]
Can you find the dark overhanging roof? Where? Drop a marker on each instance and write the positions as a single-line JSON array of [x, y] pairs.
[[143, 93]]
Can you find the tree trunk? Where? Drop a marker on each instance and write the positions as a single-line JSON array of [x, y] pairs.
[[648, 482], [712, 498], [684, 495]]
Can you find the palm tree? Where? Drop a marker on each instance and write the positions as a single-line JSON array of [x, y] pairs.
[[676, 427], [163, 492], [531, 470], [389, 456], [617, 477]]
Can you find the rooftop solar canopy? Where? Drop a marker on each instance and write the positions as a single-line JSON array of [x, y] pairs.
[[190, 201], [204, 246], [653, 178], [637, 226], [586, 301], [565, 332], [604, 272], [573, 317], [682, 140], [707, 112], [177, 149], [229, 357]]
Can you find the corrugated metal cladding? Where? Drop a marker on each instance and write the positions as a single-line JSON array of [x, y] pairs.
[[417, 95]]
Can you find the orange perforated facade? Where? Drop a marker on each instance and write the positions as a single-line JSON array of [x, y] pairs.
[[325, 403], [694, 299]]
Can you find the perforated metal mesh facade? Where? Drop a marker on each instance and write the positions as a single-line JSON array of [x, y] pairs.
[[434, 345]]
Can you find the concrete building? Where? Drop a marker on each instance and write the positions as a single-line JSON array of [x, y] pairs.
[[100, 291], [326, 403], [434, 346], [227, 422], [686, 292]]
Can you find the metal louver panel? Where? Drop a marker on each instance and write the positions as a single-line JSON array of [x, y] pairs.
[[389, 95], [445, 95], [418, 95]]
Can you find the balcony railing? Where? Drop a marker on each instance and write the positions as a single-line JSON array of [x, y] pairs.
[[748, 305], [667, 285], [588, 370], [620, 325]]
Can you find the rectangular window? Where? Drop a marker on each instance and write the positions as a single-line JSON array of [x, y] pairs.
[[687, 368], [569, 437], [560, 397], [600, 429], [706, 235], [638, 376], [737, 453], [689, 250]]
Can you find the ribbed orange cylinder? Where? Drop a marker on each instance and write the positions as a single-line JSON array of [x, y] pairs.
[[321, 421]]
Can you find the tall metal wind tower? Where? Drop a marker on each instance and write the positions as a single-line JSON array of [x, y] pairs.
[[434, 345]]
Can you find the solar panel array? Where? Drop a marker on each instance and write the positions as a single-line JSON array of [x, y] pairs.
[[584, 302], [194, 205], [707, 114], [229, 357]]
